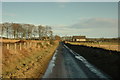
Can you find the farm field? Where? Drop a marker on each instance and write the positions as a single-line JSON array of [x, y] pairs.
[[26, 60], [64, 39], [105, 45], [13, 41], [105, 60]]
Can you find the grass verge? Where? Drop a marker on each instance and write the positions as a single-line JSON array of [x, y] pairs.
[[26, 63]]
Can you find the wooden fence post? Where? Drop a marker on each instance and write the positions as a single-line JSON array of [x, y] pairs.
[[27, 44], [24, 45], [42, 44], [30, 44], [15, 46], [8, 46], [20, 46]]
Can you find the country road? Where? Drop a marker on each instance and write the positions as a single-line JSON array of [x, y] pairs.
[[66, 63]]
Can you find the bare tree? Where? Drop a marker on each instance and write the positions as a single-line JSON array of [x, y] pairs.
[[7, 28], [15, 28], [46, 31], [41, 31], [30, 30], [27, 31], [35, 31], [51, 34], [1, 30], [20, 31]]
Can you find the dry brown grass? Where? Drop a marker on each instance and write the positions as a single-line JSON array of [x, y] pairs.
[[106, 45], [26, 63], [13, 41], [8, 40]]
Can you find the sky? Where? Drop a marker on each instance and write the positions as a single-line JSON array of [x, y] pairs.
[[92, 19], [60, 0]]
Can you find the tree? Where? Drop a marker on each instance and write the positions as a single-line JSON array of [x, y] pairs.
[[15, 28], [20, 31], [57, 37], [48, 31], [1, 30], [30, 30], [41, 31], [27, 31], [7, 26], [51, 34], [35, 31]]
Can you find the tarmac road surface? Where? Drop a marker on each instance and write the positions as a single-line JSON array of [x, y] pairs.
[[66, 63]]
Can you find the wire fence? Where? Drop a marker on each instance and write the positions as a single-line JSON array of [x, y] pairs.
[[38, 63], [21, 45]]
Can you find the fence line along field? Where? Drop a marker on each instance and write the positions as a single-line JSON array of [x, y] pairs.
[[106, 45], [18, 45], [26, 58], [26, 49]]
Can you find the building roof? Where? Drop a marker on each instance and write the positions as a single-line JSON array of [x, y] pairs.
[[79, 37]]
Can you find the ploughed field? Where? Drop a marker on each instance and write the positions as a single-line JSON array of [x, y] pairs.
[[106, 45], [106, 60]]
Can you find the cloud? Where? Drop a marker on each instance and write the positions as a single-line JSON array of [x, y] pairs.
[[90, 27], [68, 31], [95, 23]]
